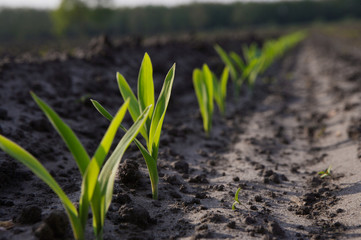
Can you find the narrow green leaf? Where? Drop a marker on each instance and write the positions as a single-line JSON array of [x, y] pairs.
[[37, 168], [209, 87], [126, 93], [76, 148], [89, 185], [107, 174], [84, 208], [152, 168], [227, 61], [217, 92], [96, 206], [151, 163], [236, 195], [101, 110], [216, 88], [197, 83], [238, 60], [201, 93], [146, 87], [90, 178], [159, 112], [246, 53], [224, 80], [134, 111]]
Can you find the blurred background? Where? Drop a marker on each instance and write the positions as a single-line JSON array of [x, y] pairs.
[[27, 23]]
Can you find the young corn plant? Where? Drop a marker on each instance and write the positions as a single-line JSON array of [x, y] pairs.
[[240, 70], [256, 60], [97, 183], [203, 86], [220, 90], [152, 128], [232, 61], [251, 52]]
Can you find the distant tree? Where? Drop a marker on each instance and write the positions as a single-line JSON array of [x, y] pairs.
[[99, 3], [70, 17]]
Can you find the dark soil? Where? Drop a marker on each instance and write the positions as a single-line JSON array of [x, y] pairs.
[[304, 115]]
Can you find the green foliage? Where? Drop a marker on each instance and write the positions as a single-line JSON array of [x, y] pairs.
[[97, 184], [151, 130], [220, 90], [203, 86], [69, 17], [76, 18], [256, 60], [325, 173], [229, 62], [236, 201], [208, 88]]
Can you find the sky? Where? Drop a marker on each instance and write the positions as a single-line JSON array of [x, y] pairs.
[[54, 3]]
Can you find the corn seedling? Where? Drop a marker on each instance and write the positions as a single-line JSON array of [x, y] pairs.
[[325, 173], [251, 52], [220, 90], [97, 183], [151, 130], [203, 86], [231, 61], [256, 60], [236, 201]]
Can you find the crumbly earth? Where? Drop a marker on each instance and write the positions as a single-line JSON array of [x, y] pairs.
[[304, 116]]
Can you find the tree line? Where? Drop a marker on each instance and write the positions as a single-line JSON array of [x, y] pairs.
[[74, 18]]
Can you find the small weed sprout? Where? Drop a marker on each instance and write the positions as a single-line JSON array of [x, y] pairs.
[[236, 201], [152, 128], [325, 173], [97, 184]]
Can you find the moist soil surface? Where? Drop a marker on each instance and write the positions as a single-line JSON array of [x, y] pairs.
[[303, 116]]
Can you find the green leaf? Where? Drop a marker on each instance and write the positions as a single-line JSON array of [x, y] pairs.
[[217, 93], [134, 111], [101, 110], [152, 168], [224, 80], [37, 168], [76, 148], [201, 93], [246, 53], [151, 163], [236, 201], [208, 79], [146, 87], [159, 112], [90, 180], [97, 161], [236, 195], [107, 174], [84, 208], [227, 61], [238, 60], [249, 68]]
